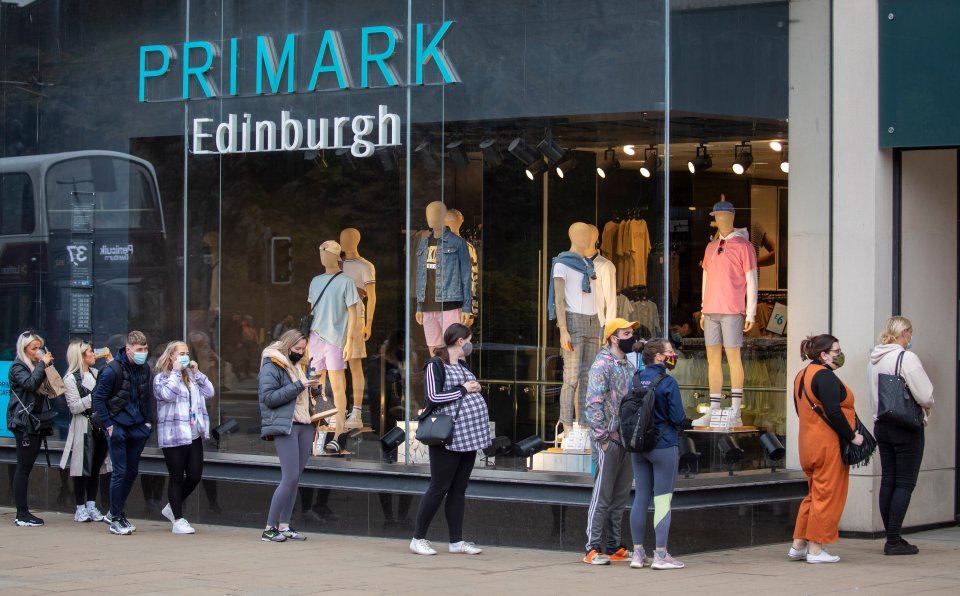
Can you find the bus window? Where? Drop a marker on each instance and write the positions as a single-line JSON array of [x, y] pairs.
[[16, 204], [121, 191]]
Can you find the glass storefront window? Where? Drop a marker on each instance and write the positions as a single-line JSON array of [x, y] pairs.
[[502, 134]]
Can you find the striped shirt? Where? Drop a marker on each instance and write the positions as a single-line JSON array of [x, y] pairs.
[[443, 383]]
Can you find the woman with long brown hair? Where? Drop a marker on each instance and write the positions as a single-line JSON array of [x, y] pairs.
[[182, 425], [817, 385]]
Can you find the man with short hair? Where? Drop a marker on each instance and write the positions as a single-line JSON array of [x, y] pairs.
[[610, 379], [123, 402]]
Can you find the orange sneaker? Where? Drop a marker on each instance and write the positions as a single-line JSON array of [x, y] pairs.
[[622, 554], [595, 557]]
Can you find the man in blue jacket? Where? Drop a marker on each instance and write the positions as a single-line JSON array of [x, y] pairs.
[[123, 403]]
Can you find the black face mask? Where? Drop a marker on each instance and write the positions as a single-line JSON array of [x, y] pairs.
[[626, 345], [294, 357]]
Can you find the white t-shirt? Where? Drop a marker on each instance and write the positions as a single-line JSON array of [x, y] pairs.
[[575, 299], [361, 271]]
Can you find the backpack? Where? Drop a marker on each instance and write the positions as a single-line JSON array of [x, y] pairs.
[[637, 432]]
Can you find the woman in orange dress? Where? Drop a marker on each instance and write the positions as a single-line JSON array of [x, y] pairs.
[[827, 476]]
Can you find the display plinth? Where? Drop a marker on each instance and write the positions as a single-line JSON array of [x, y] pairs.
[[557, 460]]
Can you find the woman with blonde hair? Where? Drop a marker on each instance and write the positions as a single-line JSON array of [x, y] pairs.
[[182, 425], [85, 443], [25, 377], [901, 448], [285, 395]]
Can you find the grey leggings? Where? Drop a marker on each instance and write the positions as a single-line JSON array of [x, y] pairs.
[[293, 450], [655, 474]]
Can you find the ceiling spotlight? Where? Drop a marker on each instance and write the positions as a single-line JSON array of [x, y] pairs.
[[703, 160], [519, 149], [458, 154], [535, 167], [629, 150], [776, 146], [784, 162], [425, 152], [565, 166], [651, 162], [742, 158], [607, 163], [491, 153], [550, 148]]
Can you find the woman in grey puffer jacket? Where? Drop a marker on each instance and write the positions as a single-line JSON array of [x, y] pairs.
[[285, 411]]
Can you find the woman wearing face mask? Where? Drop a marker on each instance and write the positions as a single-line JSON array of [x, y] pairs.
[[448, 381], [25, 377], [285, 399], [80, 380], [901, 449], [819, 517], [182, 425], [655, 471]]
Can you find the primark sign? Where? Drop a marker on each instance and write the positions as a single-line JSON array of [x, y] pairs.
[[190, 67]]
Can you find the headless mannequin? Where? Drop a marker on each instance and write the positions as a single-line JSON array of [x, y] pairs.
[[583, 241], [338, 380], [724, 225], [436, 212], [349, 242], [454, 220]]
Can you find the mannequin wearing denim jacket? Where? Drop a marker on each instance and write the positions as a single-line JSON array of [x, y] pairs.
[[453, 268]]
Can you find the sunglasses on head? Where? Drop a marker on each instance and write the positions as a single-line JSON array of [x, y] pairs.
[[720, 250]]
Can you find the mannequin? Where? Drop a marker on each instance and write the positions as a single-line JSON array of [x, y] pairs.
[[573, 297], [364, 276], [444, 294], [606, 283], [334, 331], [729, 306], [454, 220]]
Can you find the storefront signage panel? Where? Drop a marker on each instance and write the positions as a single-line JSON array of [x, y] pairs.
[[919, 86]]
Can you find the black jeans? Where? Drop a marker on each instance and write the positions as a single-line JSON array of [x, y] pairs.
[[26, 457], [901, 451], [185, 465], [449, 476], [85, 487]]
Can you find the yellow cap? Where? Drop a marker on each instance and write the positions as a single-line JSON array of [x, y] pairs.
[[614, 325]]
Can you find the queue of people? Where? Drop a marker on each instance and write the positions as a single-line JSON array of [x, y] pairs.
[[113, 417]]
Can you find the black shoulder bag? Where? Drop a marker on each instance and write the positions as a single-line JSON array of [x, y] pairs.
[[437, 429], [306, 321], [895, 403], [852, 455], [31, 424]]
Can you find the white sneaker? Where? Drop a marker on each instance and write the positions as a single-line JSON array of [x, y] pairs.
[[823, 557], [797, 554], [182, 526], [421, 547], [167, 512], [354, 419], [465, 548], [703, 420], [82, 515], [735, 421], [94, 514]]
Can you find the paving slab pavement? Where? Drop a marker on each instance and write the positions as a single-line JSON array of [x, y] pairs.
[[65, 557]]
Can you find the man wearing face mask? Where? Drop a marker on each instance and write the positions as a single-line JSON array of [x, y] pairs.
[[123, 403], [610, 377]]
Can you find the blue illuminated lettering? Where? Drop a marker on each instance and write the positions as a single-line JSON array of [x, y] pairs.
[[164, 51], [424, 54], [267, 60], [333, 44], [200, 72], [366, 58]]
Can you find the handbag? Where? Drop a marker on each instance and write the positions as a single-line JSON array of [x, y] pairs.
[[306, 321], [895, 403], [32, 424], [850, 454], [437, 429], [89, 446]]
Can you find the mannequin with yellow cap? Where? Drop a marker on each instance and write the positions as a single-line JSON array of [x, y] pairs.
[[333, 334], [610, 379], [729, 306]]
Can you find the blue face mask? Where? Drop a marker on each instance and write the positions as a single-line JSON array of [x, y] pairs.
[[140, 358], [184, 360], [909, 344]]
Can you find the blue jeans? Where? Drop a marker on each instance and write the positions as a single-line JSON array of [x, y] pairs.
[[126, 445]]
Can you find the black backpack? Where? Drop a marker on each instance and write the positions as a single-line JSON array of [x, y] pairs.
[[637, 432]]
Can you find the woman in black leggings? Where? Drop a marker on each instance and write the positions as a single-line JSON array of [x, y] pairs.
[[25, 377], [182, 425], [85, 449], [453, 390]]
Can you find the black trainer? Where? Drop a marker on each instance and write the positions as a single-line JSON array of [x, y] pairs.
[[900, 548], [28, 520]]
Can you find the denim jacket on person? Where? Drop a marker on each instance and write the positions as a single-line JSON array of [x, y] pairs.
[[609, 380], [453, 271], [173, 408]]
